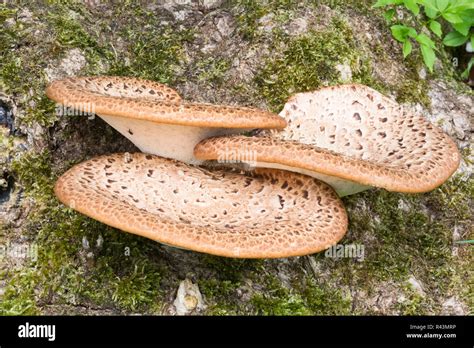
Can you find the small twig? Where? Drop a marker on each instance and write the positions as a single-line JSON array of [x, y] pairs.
[[471, 241]]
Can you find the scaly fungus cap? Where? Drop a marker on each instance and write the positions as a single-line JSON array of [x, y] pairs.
[[154, 117], [152, 101], [352, 137], [270, 214]]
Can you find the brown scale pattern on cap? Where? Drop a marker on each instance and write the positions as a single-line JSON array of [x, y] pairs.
[[152, 101], [355, 133], [269, 214]]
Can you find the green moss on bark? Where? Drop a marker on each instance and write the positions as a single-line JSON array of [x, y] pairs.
[[309, 62], [403, 235]]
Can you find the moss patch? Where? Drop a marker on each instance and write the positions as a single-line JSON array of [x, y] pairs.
[[402, 237], [251, 12], [221, 296], [412, 89], [120, 272], [212, 69], [310, 299], [309, 62], [124, 273]]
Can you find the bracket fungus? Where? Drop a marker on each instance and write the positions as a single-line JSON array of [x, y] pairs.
[[270, 214], [153, 116], [352, 137]]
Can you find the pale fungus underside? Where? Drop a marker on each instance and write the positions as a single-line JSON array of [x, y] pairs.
[[153, 116]]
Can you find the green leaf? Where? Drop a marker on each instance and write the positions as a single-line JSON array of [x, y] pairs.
[[428, 4], [442, 4], [430, 9], [381, 3], [388, 15], [431, 12], [412, 6], [399, 32], [465, 73], [467, 16], [454, 39], [412, 32], [462, 5], [472, 41], [425, 41], [462, 28], [451, 17], [406, 48], [436, 28], [428, 56]]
